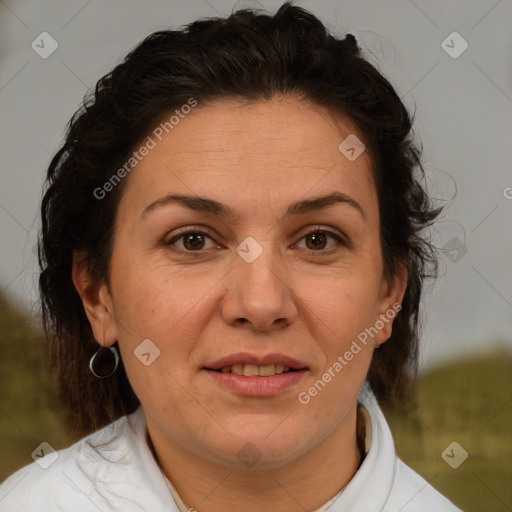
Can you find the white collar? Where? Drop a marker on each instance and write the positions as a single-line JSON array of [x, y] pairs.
[[378, 467], [114, 469]]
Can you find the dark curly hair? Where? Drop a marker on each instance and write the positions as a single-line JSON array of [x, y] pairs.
[[248, 56]]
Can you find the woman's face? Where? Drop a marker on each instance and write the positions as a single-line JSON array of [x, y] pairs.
[[253, 283]]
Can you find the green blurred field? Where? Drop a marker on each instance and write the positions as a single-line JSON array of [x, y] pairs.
[[469, 402]]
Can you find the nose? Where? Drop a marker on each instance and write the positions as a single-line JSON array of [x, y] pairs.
[[259, 294]]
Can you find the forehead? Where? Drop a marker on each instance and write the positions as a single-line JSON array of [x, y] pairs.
[[273, 149]]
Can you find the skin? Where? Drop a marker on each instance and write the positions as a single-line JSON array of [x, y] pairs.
[[258, 158]]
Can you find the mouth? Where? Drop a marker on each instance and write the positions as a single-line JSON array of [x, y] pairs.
[[253, 370], [253, 376]]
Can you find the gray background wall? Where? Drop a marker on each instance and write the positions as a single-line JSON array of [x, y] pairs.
[[463, 109]]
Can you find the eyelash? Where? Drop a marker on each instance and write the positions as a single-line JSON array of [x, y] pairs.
[[314, 230]]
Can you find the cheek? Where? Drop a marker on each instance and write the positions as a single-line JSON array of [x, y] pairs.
[[339, 319], [168, 305], [338, 306], [339, 314]]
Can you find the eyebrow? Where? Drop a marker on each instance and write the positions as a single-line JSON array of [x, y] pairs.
[[207, 205]]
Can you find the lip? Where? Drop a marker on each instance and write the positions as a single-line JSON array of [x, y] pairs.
[[256, 386], [248, 358]]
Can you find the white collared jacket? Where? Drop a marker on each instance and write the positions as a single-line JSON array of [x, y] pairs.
[[113, 469]]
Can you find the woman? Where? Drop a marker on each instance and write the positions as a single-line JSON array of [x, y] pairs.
[[232, 266]]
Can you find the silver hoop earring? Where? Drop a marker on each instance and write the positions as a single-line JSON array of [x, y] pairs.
[[104, 362]]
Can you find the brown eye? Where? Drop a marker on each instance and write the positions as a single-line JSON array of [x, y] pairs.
[[192, 241], [317, 240]]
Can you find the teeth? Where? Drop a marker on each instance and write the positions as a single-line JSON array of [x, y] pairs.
[[266, 371], [237, 369], [252, 370]]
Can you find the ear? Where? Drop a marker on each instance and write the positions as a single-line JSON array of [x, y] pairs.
[[97, 303], [391, 295]]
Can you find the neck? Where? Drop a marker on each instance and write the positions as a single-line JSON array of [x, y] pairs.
[[306, 483]]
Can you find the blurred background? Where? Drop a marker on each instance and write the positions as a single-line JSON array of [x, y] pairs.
[[451, 64]]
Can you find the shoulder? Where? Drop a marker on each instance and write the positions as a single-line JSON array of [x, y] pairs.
[[412, 493], [70, 476], [396, 486]]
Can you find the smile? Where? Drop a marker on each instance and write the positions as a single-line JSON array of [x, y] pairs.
[[252, 370], [255, 385], [255, 375]]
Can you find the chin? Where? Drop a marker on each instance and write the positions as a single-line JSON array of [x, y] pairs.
[[260, 449]]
